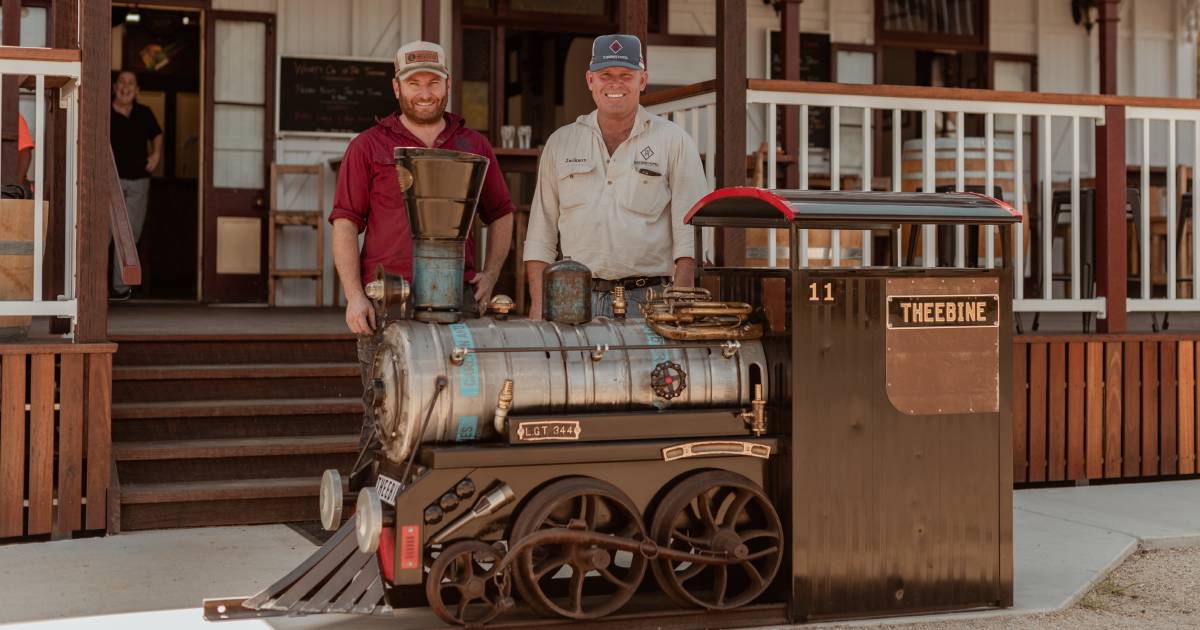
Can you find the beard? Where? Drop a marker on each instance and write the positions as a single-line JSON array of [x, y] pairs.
[[410, 111]]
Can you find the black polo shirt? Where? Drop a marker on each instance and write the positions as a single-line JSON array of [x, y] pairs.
[[130, 137]]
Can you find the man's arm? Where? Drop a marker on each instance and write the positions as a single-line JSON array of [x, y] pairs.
[[360, 316], [155, 153], [688, 185], [499, 240], [685, 272], [541, 239]]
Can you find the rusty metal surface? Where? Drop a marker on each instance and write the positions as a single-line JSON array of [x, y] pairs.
[[892, 513], [437, 289], [943, 345], [567, 287]]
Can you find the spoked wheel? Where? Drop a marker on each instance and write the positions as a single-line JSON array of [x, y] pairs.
[[461, 587], [578, 581], [724, 513]]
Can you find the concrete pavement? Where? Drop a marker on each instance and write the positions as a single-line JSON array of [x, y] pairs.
[[1065, 540]]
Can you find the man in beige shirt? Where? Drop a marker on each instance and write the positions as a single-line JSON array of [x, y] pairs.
[[613, 188]]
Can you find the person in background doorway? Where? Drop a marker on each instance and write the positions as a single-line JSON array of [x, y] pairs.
[[137, 146], [616, 185], [24, 154]]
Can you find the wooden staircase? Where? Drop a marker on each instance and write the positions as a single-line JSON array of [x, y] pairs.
[[231, 429]]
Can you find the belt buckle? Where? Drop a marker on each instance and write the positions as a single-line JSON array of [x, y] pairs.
[[640, 282]]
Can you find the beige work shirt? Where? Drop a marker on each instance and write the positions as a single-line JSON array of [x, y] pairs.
[[621, 215]]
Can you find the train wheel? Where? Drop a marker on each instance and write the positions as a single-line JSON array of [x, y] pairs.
[[718, 512], [461, 587], [578, 581]]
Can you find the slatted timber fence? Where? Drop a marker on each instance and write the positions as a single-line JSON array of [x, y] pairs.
[[1093, 407], [55, 438]]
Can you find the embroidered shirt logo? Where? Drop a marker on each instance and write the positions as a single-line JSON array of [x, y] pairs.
[[615, 46], [647, 153]]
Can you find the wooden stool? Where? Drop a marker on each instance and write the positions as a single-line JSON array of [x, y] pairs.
[[307, 218]]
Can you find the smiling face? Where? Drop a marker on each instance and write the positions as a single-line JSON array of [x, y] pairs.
[[125, 88], [422, 96], [616, 90]]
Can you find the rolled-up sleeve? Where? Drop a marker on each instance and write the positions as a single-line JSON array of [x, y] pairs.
[[688, 185], [541, 238], [352, 197], [494, 200]]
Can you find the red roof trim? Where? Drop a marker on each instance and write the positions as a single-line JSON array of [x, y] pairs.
[[742, 191], [1000, 202]]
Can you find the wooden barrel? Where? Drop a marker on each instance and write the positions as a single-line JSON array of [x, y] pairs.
[[820, 250], [912, 169], [16, 259]]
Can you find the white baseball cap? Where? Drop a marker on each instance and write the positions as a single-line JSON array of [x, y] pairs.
[[421, 56]]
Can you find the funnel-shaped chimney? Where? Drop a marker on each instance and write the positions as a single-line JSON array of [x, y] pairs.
[[441, 189]]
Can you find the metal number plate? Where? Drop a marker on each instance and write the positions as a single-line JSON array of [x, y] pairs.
[[387, 488]]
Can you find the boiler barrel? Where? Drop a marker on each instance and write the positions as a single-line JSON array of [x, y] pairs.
[[412, 355]]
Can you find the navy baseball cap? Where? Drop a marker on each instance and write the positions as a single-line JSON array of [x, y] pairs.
[[616, 51]]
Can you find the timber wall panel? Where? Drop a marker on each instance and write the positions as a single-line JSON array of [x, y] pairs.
[[55, 432], [1105, 407]]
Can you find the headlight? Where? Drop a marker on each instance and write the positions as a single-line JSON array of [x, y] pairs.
[[368, 520], [331, 500]]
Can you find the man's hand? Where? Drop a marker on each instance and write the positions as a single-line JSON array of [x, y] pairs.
[[484, 282], [152, 162], [360, 315]]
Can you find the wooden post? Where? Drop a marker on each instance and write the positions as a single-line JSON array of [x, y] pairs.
[[8, 95], [431, 26], [1111, 255], [64, 22], [632, 20], [789, 29], [1110, 14], [731, 119], [94, 152]]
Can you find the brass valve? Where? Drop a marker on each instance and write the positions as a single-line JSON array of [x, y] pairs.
[[501, 305], [503, 404], [618, 302], [756, 417]]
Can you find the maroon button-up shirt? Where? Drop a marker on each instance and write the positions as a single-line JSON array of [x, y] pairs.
[[368, 191]]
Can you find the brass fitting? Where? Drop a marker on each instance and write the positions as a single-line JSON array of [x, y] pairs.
[[756, 417], [503, 404], [618, 302], [501, 305]]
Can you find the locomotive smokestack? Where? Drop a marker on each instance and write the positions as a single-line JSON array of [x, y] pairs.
[[441, 189]]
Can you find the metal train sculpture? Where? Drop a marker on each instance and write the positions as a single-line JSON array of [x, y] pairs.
[[783, 445]]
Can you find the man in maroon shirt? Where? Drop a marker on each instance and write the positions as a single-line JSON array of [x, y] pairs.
[[368, 195]]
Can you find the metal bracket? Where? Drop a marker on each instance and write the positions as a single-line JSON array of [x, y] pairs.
[[231, 609], [715, 447]]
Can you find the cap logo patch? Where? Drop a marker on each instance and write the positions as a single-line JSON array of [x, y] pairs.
[[421, 56], [615, 46]]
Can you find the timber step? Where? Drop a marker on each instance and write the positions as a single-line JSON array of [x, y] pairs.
[[224, 490], [229, 448], [231, 371], [220, 408]]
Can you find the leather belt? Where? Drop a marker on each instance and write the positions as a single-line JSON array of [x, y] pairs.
[[632, 282]]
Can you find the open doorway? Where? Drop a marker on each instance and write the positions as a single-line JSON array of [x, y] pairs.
[[163, 49]]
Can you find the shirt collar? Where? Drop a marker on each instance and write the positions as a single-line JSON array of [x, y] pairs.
[[640, 123], [392, 123]]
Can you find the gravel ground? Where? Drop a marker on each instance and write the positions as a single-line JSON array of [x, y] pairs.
[[1150, 590]]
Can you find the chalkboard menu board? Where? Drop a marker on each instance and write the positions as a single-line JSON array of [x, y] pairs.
[[333, 95]]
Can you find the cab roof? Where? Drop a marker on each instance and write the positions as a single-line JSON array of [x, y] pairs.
[[758, 207]]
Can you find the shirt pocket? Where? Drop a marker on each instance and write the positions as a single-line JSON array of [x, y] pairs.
[[646, 195], [576, 184]]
